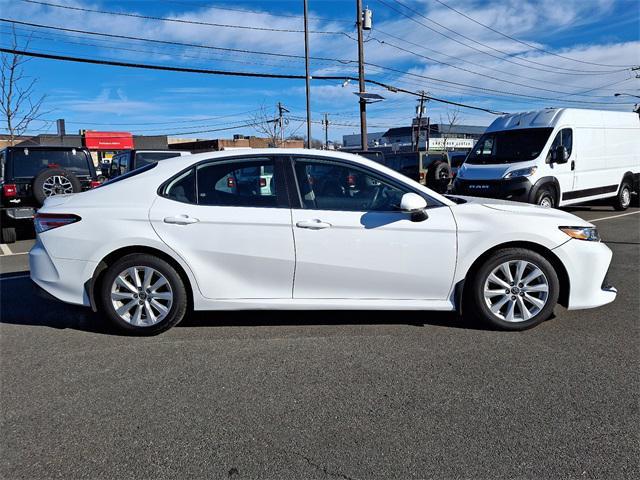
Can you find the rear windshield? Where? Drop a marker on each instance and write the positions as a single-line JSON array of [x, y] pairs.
[[28, 162], [130, 174], [145, 158]]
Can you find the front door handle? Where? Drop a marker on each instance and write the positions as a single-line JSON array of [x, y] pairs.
[[181, 220], [314, 224]]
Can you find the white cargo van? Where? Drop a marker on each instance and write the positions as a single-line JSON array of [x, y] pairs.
[[556, 157]]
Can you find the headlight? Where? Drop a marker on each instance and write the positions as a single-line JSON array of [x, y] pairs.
[[521, 172], [589, 234]]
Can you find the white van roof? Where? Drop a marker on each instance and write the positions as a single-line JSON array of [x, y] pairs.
[[550, 117]]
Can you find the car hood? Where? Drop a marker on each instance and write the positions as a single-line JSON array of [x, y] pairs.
[[526, 209]]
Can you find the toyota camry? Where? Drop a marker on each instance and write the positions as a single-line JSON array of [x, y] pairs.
[[309, 230]]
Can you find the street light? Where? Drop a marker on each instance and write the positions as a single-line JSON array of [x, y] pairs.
[[636, 107], [625, 95]]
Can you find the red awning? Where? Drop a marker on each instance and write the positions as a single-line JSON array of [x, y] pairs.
[[108, 140]]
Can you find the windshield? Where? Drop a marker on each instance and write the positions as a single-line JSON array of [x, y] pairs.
[[29, 162], [509, 146], [145, 158]]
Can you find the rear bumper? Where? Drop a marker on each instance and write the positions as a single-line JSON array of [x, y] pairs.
[[64, 279], [587, 264], [19, 213], [517, 189]]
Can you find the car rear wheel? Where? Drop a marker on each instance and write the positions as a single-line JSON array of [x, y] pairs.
[[514, 289], [623, 199], [143, 294]]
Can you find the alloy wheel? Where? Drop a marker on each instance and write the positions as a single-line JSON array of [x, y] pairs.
[[141, 296], [625, 197], [57, 185], [516, 291]]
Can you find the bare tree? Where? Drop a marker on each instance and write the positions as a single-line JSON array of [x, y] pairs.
[[19, 104], [453, 119], [269, 124]]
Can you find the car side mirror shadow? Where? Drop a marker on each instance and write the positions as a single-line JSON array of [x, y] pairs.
[[415, 206]]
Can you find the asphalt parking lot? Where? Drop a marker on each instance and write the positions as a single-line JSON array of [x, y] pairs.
[[352, 395]]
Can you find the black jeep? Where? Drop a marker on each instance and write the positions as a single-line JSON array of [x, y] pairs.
[[28, 175]]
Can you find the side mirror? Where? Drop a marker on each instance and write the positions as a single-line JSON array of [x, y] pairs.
[[560, 154], [415, 205]]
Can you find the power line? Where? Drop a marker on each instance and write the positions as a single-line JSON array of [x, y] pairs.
[[342, 61], [533, 47], [224, 73], [383, 42], [178, 20], [167, 42], [479, 43]]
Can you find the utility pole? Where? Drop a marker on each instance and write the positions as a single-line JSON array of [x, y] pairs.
[[306, 69], [363, 103], [420, 111], [325, 123], [281, 110]]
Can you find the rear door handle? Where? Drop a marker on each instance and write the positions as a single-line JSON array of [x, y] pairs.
[[314, 224], [181, 220]]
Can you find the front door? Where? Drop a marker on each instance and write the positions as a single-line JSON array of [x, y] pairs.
[[230, 221], [563, 172], [352, 242]]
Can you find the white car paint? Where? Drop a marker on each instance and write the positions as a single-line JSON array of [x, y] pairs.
[[240, 257]]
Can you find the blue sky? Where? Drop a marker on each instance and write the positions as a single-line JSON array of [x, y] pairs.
[[569, 53]]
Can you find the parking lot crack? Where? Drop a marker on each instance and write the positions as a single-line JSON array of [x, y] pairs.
[[323, 468]]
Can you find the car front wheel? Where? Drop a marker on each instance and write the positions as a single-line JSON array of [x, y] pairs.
[[143, 294], [514, 289]]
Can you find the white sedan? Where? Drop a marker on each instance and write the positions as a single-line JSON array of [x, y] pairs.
[[324, 230]]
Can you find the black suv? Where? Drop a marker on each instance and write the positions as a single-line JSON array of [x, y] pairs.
[[28, 175], [128, 160]]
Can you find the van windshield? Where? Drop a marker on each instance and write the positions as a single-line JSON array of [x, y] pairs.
[[509, 146]]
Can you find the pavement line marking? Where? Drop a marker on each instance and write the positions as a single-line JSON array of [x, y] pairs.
[[14, 254], [14, 277], [5, 249], [613, 216]]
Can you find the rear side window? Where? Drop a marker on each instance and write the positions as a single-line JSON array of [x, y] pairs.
[[28, 162], [251, 182]]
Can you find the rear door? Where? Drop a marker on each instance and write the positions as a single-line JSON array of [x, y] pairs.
[[234, 233]]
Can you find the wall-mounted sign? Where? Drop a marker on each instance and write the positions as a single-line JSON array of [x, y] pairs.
[[108, 140]]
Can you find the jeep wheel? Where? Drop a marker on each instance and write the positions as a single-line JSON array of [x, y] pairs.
[[54, 181]]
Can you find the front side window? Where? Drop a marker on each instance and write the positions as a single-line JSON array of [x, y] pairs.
[[565, 138], [241, 183], [145, 158], [123, 164], [334, 186]]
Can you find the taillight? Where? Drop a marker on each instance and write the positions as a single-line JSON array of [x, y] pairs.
[[351, 180], [9, 190], [95, 183], [49, 221], [263, 182], [421, 176], [231, 182]]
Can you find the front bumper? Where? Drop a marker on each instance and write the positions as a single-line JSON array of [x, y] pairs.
[[587, 265], [516, 189]]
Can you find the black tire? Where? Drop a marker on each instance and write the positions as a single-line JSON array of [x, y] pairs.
[[42, 177], [546, 197], [439, 176], [177, 309], [8, 235], [623, 199], [476, 303]]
